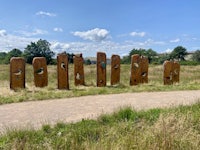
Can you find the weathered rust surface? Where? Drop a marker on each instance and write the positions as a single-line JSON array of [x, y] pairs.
[[135, 78], [101, 69], [79, 78], [62, 70], [176, 71], [168, 72], [144, 69], [40, 72], [17, 73], [115, 69]]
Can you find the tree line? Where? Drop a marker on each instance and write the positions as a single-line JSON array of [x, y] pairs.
[[179, 53], [41, 48]]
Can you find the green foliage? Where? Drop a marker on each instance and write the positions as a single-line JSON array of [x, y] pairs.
[[179, 53], [13, 53], [196, 56], [150, 54], [39, 49], [88, 62]]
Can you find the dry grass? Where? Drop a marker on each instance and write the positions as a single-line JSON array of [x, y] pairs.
[[189, 80]]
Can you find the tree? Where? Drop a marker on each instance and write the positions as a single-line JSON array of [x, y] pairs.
[[179, 53], [150, 54], [13, 53], [196, 56], [39, 49]]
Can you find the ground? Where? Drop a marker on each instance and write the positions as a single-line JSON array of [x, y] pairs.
[[36, 113]]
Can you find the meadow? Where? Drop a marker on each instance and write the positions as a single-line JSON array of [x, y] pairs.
[[167, 129], [189, 80]]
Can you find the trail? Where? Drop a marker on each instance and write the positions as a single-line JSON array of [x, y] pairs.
[[36, 113]]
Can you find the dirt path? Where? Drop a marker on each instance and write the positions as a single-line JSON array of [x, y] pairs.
[[34, 114]]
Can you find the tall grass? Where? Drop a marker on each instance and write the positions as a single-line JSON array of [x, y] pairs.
[[174, 128], [189, 80]]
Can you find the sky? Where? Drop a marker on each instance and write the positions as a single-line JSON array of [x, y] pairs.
[[110, 26]]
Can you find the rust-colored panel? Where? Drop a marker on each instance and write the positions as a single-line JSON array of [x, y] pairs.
[[17, 73], [135, 78], [62, 70], [176, 71], [101, 69], [40, 71], [79, 78], [144, 69], [168, 72], [115, 69]]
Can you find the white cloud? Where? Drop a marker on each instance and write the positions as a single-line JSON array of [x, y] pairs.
[[140, 34], [43, 13], [3, 33], [33, 33], [58, 29], [175, 40], [93, 35], [9, 42], [168, 50]]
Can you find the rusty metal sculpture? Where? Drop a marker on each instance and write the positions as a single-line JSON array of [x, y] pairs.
[[101, 69], [115, 69]]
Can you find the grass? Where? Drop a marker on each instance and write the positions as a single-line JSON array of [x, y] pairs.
[[173, 128], [189, 80]]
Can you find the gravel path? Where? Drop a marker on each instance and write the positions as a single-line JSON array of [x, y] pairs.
[[35, 114]]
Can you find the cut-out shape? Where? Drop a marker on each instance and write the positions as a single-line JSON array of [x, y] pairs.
[[101, 69], [40, 71], [17, 73], [62, 70], [79, 78], [115, 69]]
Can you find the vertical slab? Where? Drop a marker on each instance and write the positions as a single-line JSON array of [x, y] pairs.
[[17, 73], [135, 70], [168, 72], [115, 69], [176, 71], [40, 72], [79, 78], [144, 69], [62, 70], [101, 69]]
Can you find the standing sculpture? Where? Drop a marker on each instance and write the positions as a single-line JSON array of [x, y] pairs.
[[62, 70], [17, 73], [79, 78], [101, 69], [115, 69], [40, 71]]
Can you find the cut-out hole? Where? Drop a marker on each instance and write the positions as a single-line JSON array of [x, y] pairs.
[[40, 71]]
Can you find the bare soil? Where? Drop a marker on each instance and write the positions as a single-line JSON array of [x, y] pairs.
[[36, 113]]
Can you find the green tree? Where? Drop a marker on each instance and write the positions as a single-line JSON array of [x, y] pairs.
[[179, 53], [13, 53], [2, 57], [196, 56], [151, 54], [39, 49]]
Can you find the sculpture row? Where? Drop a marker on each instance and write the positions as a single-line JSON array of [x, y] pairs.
[[139, 71]]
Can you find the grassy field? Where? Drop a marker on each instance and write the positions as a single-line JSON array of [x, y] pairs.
[[165, 129], [189, 80]]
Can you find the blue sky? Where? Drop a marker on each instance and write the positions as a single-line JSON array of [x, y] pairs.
[[111, 26]]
